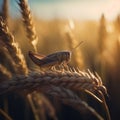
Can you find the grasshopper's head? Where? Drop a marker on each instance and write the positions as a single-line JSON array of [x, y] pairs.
[[63, 56], [66, 56]]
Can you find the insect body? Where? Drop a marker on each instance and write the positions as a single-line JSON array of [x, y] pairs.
[[50, 60]]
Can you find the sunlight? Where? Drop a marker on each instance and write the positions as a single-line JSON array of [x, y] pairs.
[[77, 9]]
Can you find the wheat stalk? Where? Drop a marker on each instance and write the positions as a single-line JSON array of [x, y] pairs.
[[42, 105], [28, 22], [31, 35], [105, 105], [29, 97], [12, 47], [6, 116]]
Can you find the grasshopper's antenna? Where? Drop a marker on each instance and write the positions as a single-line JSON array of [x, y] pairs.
[[76, 46]]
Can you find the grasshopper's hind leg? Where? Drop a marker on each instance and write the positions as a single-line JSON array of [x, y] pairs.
[[66, 67]]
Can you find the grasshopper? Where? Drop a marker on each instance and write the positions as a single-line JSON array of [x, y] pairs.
[[54, 59]]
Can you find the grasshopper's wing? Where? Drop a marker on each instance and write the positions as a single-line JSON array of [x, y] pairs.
[[43, 61], [36, 58], [36, 55], [50, 60]]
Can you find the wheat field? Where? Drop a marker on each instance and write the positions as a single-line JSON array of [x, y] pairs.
[[87, 88]]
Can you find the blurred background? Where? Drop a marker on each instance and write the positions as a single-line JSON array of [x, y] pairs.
[[62, 24]]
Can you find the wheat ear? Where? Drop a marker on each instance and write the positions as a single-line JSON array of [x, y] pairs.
[[6, 60], [12, 47], [28, 23], [39, 80]]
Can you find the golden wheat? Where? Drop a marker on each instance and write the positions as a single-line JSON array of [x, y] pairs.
[[28, 22], [62, 84], [42, 81], [12, 47], [39, 80], [6, 60]]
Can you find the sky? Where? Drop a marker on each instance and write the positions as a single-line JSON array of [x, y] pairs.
[[70, 9]]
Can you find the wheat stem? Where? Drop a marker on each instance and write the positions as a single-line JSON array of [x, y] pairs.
[[71, 99], [105, 105], [7, 117], [29, 96], [43, 104]]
